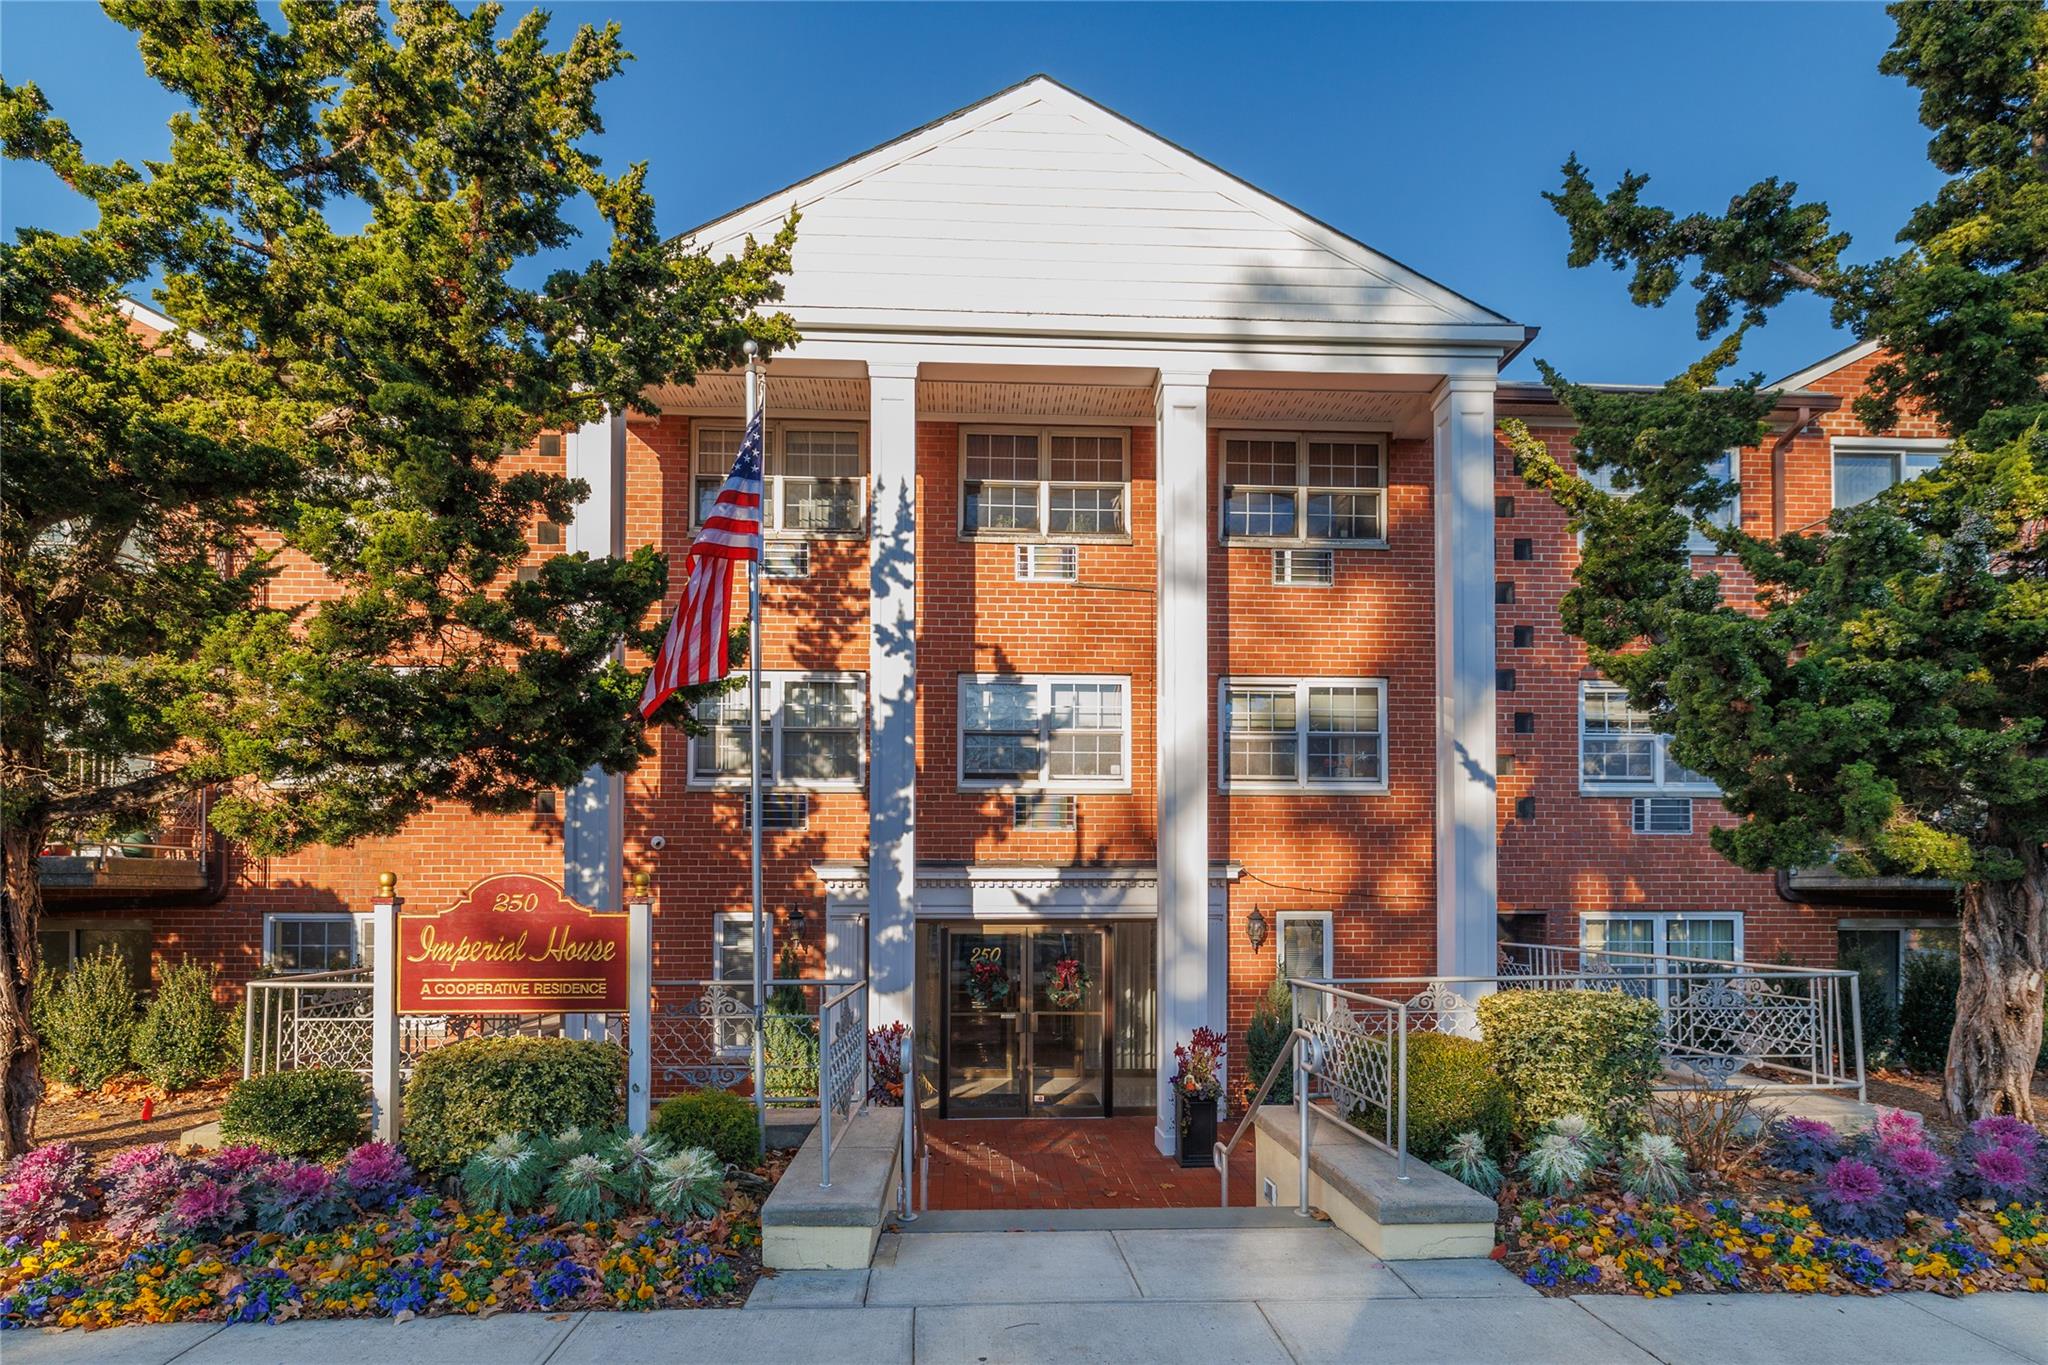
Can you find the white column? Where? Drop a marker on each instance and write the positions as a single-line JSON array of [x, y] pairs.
[[1466, 832], [639, 1003], [892, 693], [1182, 737], [384, 1070], [593, 815]]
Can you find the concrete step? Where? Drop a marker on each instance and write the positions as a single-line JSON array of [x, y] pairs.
[[1099, 1220], [1424, 1215]]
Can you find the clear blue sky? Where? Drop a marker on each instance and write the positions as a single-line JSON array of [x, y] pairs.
[[1428, 131]]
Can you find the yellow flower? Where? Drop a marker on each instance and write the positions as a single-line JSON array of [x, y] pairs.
[[646, 1292]]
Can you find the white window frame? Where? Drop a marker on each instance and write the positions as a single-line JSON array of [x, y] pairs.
[[741, 1045], [772, 685], [1044, 682], [1660, 757], [1898, 448], [1301, 489], [773, 475], [1301, 783], [1327, 920], [1696, 541], [359, 932], [1662, 920], [1046, 483]]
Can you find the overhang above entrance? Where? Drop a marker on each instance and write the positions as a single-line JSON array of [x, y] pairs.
[[985, 891]]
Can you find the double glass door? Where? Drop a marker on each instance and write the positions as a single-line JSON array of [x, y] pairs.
[[1026, 1022]]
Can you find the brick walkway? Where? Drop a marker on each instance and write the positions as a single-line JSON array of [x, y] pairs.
[[1070, 1164]]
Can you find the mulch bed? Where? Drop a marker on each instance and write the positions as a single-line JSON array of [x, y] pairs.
[[105, 1120]]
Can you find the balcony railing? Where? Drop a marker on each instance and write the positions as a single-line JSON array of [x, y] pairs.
[[176, 855]]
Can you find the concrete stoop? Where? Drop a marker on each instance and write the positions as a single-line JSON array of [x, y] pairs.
[[806, 1227], [1427, 1217]]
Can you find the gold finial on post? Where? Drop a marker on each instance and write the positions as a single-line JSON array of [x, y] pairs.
[[643, 884], [387, 884]]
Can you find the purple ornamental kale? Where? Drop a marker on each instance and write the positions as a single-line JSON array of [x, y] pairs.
[[1920, 1174], [375, 1174], [2000, 1174], [296, 1197], [1855, 1200], [1805, 1145]]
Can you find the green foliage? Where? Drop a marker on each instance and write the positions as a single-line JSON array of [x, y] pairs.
[[507, 1175], [1879, 703], [1466, 1160], [715, 1119], [584, 1189], [87, 1019], [463, 1095], [690, 1184], [1451, 1090], [1264, 1037], [366, 227], [1927, 1009], [1653, 1168], [1573, 1052], [1555, 1165], [789, 1035], [312, 1112], [632, 1158], [184, 1036]]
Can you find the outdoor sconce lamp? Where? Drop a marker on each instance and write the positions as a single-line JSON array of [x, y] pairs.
[[1255, 929]]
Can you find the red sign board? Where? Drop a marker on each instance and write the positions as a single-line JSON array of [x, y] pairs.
[[512, 945]]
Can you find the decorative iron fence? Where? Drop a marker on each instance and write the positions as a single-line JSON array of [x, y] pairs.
[[843, 1031], [1720, 1018], [703, 1035]]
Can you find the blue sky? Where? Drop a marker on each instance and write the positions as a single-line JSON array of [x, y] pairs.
[[1427, 131]]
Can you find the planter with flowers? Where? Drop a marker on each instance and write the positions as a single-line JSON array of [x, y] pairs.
[[1197, 1086]]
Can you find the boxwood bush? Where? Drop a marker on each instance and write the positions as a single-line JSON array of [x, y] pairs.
[[315, 1111], [463, 1095], [717, 1119], [1573, 1052], [1451, 1090], [183, 1038], [86, 1018], [1927, 1009]]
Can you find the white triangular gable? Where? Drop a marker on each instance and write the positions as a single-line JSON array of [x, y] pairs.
[[1039, 210]]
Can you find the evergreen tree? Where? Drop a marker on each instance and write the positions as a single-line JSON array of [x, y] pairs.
[[348, 229], [1883, 699]]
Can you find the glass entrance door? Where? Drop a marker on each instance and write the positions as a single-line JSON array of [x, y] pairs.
[[1027, 1021]]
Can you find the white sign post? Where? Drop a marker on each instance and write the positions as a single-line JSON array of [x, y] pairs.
[[640, 995], [384, 1072]]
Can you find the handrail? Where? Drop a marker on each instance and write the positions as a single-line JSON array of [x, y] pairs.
[[828, 1098], [1721, 963], [1251, 1113], [906, 1064]]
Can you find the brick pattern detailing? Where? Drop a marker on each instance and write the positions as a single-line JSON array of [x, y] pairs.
[[1072, 1164]]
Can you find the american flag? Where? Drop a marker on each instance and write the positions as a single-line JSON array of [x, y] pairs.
[[694, 650]]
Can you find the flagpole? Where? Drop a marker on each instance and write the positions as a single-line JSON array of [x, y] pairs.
[[760, 953]]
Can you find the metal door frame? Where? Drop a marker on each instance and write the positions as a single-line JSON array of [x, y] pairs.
[[1025, 930]]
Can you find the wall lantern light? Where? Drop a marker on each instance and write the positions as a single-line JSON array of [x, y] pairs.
[[1255, 929]]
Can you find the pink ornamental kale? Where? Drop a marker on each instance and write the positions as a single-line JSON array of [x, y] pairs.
[[2003, 1130], [207, 1208], [375, 1174], [1920, 1174], [298, 1196], [125, 1164], [1855, 1200], [43, 1190], [245, 1159], [1900, 1126], [145, 1182]]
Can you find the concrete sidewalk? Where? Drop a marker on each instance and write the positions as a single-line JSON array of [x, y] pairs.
[[1302, 1294]]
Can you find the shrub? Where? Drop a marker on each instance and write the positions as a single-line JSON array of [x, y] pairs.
[[463, 1095], [715, 1119], [1467, 1161], [789, 1033], [885, 1064], [1272, 1020], [1563, 1052], [1718, 1130], [1451, 1090], [690, 1184], [183, 1038], [315, 1112], [87, 1019], [1927, 1009]]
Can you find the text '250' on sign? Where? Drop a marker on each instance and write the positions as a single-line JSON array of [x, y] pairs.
[[513, 944]]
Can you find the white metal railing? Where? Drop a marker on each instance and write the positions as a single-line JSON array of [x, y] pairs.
[[1349, 1052], [704, 1033], [843, 1068], [1717, 1017]]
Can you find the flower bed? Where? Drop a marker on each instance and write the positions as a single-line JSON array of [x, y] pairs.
[[1824, 1213], [243, 1236]]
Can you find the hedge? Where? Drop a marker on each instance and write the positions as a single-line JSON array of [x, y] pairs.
[[717, 1119], [183, 1039], [86, 1017], [315, 1111], [1573, 1052], [463, 1095]]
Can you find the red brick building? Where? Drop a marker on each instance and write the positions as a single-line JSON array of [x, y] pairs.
[[1147, 599]]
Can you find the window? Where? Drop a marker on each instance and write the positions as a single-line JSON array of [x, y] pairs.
[[811, 732], [1620, 752], [1304, 944], [1043, 481], [62, 945], [1880, 949], [315, 943], [1716, 937], [732, 959], [816, 480], [1313, 488], [1727, 468], [1865, 468], [1305, 734], [1045, 732]]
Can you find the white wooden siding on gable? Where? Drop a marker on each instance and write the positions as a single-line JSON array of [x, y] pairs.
[[1040, 205]]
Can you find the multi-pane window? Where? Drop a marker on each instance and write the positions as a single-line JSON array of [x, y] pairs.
[[1307, 488], [1727, 468], [1715, 937], [1305, 734], [1863, 469], [732, 960], [312, 943], [1620, 751], [1304, 944], [1061, 732], [816, 480], [1045, 481], [811, 732]]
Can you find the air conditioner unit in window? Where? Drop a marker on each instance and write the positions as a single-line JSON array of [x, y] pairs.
[[786, 559], [779, 810], [1048, 563], [1661, 815], [1304, 568], [1043, 810]]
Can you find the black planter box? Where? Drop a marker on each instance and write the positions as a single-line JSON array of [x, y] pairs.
[[1197, 1124]]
